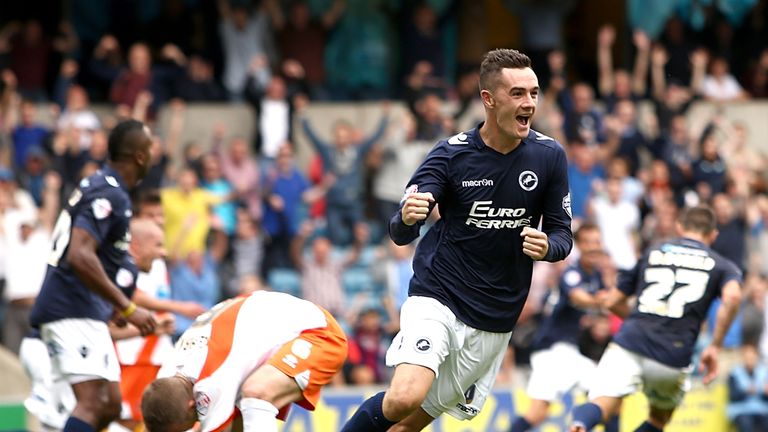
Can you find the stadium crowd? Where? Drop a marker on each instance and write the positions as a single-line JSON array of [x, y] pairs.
[[240, 214]]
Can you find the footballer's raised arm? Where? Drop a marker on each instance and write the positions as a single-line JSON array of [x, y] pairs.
[[430, 178]]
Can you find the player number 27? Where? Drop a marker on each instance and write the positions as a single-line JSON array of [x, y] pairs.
[[669, 290]]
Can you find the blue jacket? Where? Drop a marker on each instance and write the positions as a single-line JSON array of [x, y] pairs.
[[741, 402]]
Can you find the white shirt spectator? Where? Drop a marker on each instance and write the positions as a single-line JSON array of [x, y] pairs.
[[11, 211], [633, 189], [24, 203], [725, 88], [763, 343], [618, 221], [273, 124], [155, 283], [84, 121], [26, 260]]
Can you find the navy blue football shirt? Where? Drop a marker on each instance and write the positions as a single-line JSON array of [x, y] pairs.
[[675, 282], [101, 206], [472, 259], [562, 320]]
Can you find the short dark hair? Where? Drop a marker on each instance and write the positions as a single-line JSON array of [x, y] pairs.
[[699, 219], [584, 227], [496, 60], [120, 144]]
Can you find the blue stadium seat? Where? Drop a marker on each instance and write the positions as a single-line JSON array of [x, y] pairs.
[[285, 280], [338, 253], [357, 280], [365, 260], [367, 256], [377, 232]]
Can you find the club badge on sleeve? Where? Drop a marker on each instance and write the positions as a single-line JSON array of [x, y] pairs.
[[567, 204], [409, 190], [101, 208]]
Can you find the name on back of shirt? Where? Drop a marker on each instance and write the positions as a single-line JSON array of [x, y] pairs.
[[681, 259]]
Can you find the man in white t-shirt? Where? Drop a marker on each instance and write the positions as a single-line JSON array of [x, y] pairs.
[[619, 221], [720, 84], [274, 118], [78, 116]]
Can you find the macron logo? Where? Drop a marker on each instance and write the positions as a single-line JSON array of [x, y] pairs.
[[476, 183], [542, 137]]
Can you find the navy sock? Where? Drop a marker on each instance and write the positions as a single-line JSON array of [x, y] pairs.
[[647, 427], [587, 415], [612, 425], [520, 425], [74, 424], [369, 417]]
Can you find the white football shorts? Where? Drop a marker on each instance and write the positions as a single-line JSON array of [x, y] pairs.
[[621, 372], [557, 370], [465, 360], [81, 349]]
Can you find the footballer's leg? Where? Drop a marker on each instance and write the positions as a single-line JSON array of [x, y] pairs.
[[619, 373], [82, 354], [657, 419], [264, 392], [98, 404], [664, 387], [540, 392], [415, 422], [537, 412], [549, 380], [589, 415], [417, 352], [663, 397], [409, 387]]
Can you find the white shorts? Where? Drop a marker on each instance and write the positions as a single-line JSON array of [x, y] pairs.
[[621, 372], [558, 369], [81, 349], [465, 360], [49, 401]]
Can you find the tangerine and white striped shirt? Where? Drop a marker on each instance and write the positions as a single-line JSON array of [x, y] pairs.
[[225, 345]]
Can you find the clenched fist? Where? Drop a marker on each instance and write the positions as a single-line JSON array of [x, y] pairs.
[[535, 243], [416, 207]]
